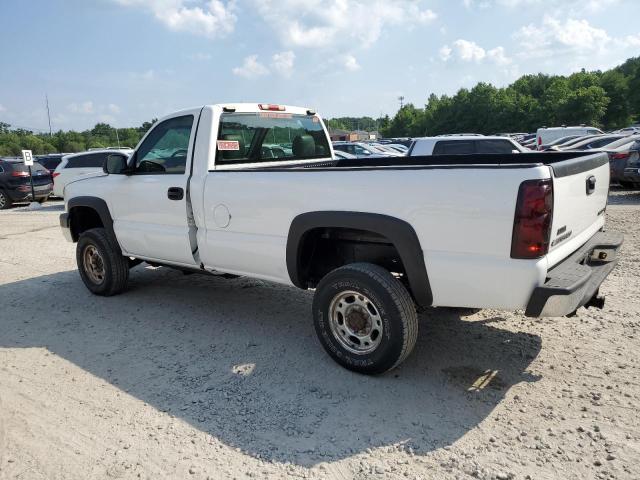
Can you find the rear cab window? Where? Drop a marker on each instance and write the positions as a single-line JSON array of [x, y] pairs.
[[245, 138], [494, 146], [453, 147]]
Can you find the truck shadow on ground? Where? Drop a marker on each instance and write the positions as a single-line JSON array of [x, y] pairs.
[[239, 359]]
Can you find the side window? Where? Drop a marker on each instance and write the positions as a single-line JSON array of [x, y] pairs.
[[453, 147], [77, 162], [165, 149], [494, 146], [1, 169]]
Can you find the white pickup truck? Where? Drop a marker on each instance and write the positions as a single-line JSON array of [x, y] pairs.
[[253, 189]]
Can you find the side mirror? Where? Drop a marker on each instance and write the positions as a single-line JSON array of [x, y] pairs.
[[116, 163]]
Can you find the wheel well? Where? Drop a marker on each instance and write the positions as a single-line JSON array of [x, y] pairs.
[[324, 249], [83, 219]]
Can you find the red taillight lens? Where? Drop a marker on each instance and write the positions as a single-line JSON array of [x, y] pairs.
[[532, 222], [620, 156], [271, 107], [55, 174], [19, 174]]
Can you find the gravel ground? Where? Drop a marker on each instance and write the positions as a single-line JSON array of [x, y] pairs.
[[196, 377]]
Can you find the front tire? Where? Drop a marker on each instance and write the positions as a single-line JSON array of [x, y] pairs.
[[102, 267], [365, 318]]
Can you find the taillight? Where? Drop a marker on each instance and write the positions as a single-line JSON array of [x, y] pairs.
[[532, 222], [55, 174], [271, 107], [620, 156], [19, 174]]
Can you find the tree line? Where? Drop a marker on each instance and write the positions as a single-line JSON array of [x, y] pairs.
[[12, 141], [609, 99]]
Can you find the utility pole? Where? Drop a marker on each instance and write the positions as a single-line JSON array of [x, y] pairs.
[[117, 137], [401, 98], [46, 97]]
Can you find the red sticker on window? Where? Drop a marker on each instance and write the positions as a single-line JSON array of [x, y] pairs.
[[228, 145]]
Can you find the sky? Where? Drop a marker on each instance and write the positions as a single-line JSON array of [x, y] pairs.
[[126, 61]]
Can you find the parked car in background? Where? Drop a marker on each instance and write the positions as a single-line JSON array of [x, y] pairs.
[[593, 142], [361, 150], [544, 135], [15, 185], [631, 173], [622, 154], [50, 161], [80, 164], [463, 145], [628, 131], [400, 148], [560, 141], [340, 155], [568, 144]]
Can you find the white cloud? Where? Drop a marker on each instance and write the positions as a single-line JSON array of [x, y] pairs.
[[445, 53], [554, 36], [251, 68], [323, 23], [113, 108], [498, 56], [213, 18], [2, 108], [283, 63], [630, 40], [81, 108], [468, 51], [351, 63]]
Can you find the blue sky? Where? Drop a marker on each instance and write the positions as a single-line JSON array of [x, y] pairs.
[[126, 61]]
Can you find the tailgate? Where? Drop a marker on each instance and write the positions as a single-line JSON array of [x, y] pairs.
[[580, 191]]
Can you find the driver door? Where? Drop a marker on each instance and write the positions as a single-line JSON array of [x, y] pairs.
[[149, 206]]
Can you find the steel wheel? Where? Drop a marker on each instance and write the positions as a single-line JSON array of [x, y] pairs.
[[3, 200], [93, 264], [355, 322]]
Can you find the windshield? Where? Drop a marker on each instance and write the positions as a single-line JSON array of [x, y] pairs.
[[270, 137]]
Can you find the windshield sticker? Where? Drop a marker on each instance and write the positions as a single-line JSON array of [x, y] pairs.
[[228, 145]]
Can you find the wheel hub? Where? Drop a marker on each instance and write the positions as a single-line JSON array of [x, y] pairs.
[[355, 322], [93, 264]]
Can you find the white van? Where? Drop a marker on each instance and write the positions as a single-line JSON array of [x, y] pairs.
[[545, 136]]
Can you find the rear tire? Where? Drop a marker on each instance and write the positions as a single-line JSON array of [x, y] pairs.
[[5, 201], [42, 200], [102, 267], [365, 318]]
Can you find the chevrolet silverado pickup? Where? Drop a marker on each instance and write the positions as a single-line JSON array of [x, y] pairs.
[[254, 190]]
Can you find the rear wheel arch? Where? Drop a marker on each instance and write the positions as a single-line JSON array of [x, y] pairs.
[[400, 235]]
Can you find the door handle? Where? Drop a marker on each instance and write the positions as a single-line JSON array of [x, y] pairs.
[[175, 193]]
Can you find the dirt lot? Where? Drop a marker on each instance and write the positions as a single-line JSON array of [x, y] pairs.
[[196, 377]]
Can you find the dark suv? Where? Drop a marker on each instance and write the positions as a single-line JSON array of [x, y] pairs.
[[15, 186]]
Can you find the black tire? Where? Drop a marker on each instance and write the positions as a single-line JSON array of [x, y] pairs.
[[115, 267], [5, 201], [625, 184], [43, 199], [393, 308]]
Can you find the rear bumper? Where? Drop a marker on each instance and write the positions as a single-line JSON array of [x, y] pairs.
[[632, 174], [574, 282], [65, 225], [41, 191]]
